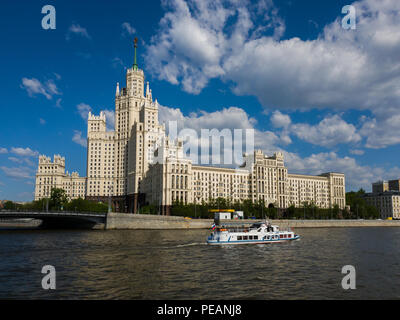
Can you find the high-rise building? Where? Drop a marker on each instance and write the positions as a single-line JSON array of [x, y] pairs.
[[380, 186], [137, 163]]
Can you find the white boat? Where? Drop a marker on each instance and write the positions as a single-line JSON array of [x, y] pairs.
[[259, 232]]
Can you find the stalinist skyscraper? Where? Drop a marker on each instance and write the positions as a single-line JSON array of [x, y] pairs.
[[117, 160], [137, 163]]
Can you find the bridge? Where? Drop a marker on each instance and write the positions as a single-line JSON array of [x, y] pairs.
[[59, 219]]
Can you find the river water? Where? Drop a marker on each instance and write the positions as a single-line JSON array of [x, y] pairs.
[[176, 264]]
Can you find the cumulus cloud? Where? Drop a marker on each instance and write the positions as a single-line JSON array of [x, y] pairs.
[[280, 120], [21, 160], [340, 69], [3, 150], [357, 175], [191, 44], [329, 132], [357, 152], [381, 132], [77, 138], [76, 29], [83, 110], [110, 119], [33, 86], [26, 152], [127, 29], [17, 172]]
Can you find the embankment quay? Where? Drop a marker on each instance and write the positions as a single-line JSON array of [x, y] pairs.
[[124, 221], [119, 221]]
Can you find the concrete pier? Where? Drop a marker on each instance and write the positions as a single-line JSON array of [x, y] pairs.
[[120, 221]]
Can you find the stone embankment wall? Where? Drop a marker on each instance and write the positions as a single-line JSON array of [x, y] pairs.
[[144, 221]]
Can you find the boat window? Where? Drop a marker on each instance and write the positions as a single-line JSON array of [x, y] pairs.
[[250, 237], [255, 237], [239, 237], [289, 235], [281, 236], [244, 237]]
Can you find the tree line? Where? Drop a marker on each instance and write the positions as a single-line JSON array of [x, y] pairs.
[[359, 209], [58, 201]]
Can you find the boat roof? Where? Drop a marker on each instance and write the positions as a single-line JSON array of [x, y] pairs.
[[239, 223]]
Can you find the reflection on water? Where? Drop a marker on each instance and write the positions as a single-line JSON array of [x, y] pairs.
[[172, 264]]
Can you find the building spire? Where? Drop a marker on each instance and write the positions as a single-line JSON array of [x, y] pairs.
[[135, 66]]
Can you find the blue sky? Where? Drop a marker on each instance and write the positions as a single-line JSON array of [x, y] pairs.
[[325, 96]]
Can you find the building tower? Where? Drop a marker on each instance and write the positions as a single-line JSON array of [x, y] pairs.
[[136, 132]]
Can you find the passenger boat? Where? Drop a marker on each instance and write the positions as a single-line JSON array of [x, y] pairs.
[[256, 233]]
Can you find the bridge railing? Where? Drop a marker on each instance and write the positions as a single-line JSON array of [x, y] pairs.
[[51, 212]]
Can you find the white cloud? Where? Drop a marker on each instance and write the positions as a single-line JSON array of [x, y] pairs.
[[280, 120], [227, 118], [58, 103], [83, 110], [357, 152], [14, 159], [77, 138], [110, 119], [128, 29], [77, 30], [3, 150], [328, 132], [381, 132], [340, 69], [357, 175], [117, 62], [17, 172], [42, 121], [34, 86], [21, 160], [25, 152], [191, 45]]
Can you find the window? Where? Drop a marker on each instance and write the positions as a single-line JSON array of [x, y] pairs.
[[239, 237], [244, 237]]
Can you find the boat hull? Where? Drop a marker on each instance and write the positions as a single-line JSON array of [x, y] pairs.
[[216, 242]]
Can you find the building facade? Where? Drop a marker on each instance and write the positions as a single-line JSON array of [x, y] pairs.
[[380, 186], [387, 203], [137, 163], [51, 174], [172, 177]]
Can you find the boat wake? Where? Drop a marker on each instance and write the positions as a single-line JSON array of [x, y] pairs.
[[191, 244]]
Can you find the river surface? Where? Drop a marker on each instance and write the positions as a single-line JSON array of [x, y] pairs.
[[152, 264]]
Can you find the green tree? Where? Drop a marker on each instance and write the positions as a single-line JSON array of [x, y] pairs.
[[58, 198]]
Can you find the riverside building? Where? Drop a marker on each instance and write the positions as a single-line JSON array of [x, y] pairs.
[[387, 203], [51, 174], [385, 196], [139, 164]]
